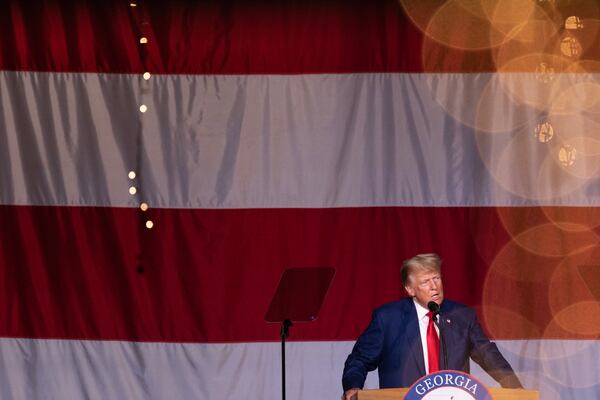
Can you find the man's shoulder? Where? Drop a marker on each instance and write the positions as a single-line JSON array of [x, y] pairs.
[[453, 305], [401, 305], [458, 309]]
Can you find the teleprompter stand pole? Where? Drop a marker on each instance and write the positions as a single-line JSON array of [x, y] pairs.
[[285, 332]]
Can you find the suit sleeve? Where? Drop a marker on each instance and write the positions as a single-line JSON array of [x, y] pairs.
[[486, 354], [365, 355]]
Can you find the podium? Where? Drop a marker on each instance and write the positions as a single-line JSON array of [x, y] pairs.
[[497, 394]]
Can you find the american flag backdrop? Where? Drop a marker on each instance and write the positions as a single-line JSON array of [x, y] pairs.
[[162, 163]]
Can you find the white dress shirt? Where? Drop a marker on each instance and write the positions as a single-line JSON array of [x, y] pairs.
[[423, 324]]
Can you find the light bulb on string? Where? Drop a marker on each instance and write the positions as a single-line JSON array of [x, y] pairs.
[[567, 155], [544, 73], [544, 132], [573, 23]]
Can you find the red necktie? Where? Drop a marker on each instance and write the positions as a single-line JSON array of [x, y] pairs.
[[433, 345]]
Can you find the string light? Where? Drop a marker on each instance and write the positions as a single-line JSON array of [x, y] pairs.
[[570, 47], [573, 23], [544, 72], [567, 155], [143, 108], [544, 132], [132, 190]]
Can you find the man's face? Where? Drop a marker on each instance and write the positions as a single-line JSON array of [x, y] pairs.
[[425, 286]]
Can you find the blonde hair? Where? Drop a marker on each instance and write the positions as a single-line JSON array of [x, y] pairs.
[[420, 262]]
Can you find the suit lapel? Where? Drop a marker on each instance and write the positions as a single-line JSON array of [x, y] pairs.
[[414, 337]]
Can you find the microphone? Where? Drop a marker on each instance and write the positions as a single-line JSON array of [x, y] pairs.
[[435, 309]]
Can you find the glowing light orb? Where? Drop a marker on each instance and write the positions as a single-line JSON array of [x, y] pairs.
[[544, 132], [567, 155], [570, 47], [544, 73], [573, 23]]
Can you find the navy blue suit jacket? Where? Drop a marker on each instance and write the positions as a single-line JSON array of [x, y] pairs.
[[392, 344]]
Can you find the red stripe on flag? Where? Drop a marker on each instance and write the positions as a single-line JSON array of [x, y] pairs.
[[208, 275], [237, 37]]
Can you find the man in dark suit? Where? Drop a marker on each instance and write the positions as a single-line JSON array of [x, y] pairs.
[[402, 340]]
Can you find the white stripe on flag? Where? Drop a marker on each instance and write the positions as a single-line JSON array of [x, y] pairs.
[[69, 369], [377, 139]]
